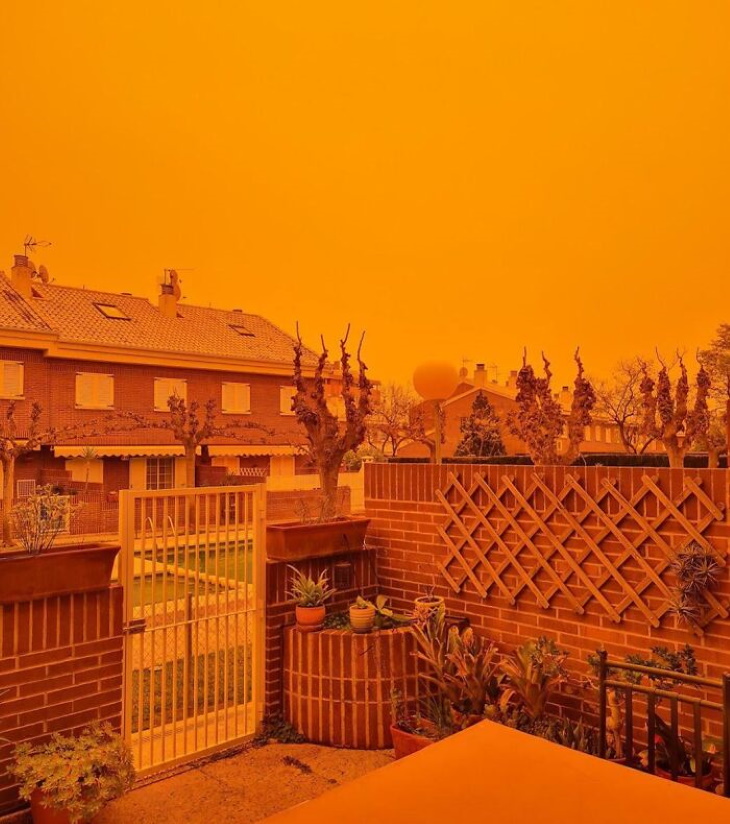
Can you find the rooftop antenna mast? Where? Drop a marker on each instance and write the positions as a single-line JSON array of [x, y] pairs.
[[31, 243]]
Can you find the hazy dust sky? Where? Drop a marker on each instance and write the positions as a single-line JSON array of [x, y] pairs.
[[459, 178]]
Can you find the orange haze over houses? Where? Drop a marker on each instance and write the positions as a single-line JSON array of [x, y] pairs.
[[87, 355], [602, 436]]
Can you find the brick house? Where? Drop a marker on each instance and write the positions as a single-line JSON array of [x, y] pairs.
[[84, 354], [601, 436]]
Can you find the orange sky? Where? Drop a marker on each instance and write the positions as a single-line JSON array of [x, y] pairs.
[[458, 178]]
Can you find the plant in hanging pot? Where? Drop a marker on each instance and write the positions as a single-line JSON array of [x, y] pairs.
[[311, 596], [40, 568], [70, 778], [333, 426]]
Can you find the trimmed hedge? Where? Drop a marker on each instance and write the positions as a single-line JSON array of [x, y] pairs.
[[695, 460]]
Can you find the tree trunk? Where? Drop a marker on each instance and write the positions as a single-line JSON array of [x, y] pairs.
[[190, 467], [675, 455], [8, 465], [328, 480]]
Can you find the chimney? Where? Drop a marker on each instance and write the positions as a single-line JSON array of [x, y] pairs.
[[512, 379], [21, 275], [480, 375], [565, 398], [167, 302]]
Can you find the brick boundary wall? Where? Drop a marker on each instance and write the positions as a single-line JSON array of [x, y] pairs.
[[401, 501], [60, 668]]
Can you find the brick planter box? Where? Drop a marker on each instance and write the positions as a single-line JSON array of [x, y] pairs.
[[337, 684]]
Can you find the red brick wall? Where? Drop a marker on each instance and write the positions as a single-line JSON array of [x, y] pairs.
[[280, 608], [406, 515], [60, 668]]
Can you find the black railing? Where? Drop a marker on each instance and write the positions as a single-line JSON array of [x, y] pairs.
[[632, 686]]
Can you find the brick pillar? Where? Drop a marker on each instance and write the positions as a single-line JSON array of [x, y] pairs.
[[60, 668]]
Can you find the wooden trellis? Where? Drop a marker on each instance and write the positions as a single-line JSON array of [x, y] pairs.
[[603, 548]]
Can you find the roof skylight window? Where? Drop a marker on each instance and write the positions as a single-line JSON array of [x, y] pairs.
[[241, 330], [109, 310]]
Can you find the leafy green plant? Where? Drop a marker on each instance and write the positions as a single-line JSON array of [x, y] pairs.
[[385, 618], [306, 591], [672, 748], [461, 666], [337, 620], [433, 718], [696, 571], [535, 671], [78, 774], [40, 517]]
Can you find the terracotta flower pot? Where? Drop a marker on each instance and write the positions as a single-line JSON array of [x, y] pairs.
[[310, 619], [296, 542], [405, 743], [687, 780], [83, 567], [362, 619], [46, 815], [425, 605]]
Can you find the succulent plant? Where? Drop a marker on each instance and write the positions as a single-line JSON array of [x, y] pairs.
[[307, 591]]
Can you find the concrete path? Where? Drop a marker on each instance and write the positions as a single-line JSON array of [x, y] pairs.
[[246, 787]]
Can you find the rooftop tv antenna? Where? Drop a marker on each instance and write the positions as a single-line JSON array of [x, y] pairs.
[[31, 243]]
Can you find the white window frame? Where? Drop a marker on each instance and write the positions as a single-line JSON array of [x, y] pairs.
[[96, 380], [157, 460], [292, 391], [175, 385], [237, 387], [21, 380]]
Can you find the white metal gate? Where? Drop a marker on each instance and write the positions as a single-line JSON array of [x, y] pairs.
[[193, 565]]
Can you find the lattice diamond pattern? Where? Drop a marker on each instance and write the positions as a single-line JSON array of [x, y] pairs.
[[571, 546]]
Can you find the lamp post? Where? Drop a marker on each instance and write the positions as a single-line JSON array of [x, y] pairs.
[[436, 381]]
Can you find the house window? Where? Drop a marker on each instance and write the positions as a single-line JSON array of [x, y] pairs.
[[11, 379], [165, 388], [236, 397], [94, 390], [160, 473], [286, 394], [109, 310]]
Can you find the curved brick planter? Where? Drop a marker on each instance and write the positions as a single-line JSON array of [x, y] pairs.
[[337, 684]]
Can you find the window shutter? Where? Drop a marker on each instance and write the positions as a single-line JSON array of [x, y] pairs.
[[162, 393], [106, 390], [245, 397], [179, 388], [12, 379], [286, 393], [228, 400], [84, 396]]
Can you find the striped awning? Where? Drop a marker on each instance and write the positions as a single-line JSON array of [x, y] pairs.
[[252, 450], [146, 450]]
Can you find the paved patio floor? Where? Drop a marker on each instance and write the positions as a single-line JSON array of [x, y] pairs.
[[246, 787]]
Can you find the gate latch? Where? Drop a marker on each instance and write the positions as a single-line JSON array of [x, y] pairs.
[[135, 626]]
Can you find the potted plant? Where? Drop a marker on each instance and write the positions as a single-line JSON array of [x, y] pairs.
[[40, 568], [413, 732], [362, 615], [671, 748], [534, 671], [70, 778], [331, 431], [310, 597], [425, 605]]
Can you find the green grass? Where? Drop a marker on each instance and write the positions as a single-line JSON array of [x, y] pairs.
[[172, 675]]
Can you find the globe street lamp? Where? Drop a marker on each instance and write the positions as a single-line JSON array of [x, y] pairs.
[[436, 381]]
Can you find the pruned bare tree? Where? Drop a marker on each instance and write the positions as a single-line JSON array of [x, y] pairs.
[[394, 420], [328, 437], [539, 420], [666, 412], [716, 360], [619, 399], [193, 425]]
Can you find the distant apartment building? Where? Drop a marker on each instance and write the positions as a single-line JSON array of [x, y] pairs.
[[87, 354], [602, 436]]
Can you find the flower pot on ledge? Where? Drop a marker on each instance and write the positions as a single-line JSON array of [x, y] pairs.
[[61, 570], [297, 541]]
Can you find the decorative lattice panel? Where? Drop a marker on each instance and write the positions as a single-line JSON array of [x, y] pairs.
[[561, 545]]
